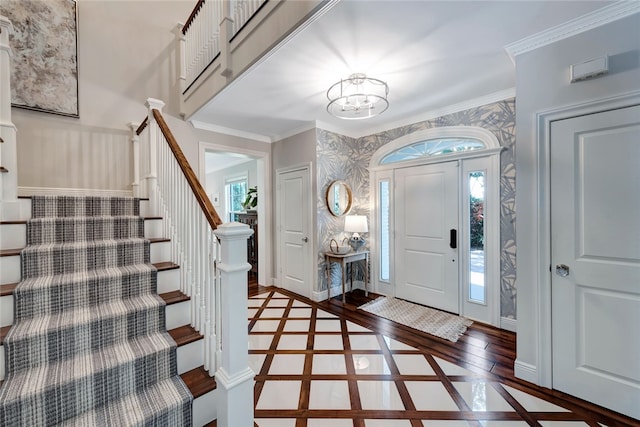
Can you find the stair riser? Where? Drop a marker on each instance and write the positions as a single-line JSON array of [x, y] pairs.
[[91, 336], [2, 364], [190, 356], [178, 314], [160, 251], [132, 376], [10, 269], [205, 408], [6, 310], [13, 236], [153, 228], [168, 280]]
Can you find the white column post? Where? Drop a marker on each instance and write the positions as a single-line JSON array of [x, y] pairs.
[[135, 142], [181, 63], [226, 32], [154, 136], [234, 377], [9, 207]]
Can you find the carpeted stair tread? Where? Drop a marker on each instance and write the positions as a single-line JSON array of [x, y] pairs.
[[167, 403], [40, 295], [70, 229], [102, 376], [74, 206], [61, 258], [81, 330]]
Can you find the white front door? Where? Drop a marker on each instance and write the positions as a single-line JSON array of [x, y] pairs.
[[294, 229], [426, 225], [595, 254]]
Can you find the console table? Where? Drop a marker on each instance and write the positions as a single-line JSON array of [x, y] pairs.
[[343, 260]]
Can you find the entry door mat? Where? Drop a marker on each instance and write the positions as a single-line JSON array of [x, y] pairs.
[[435, 322]]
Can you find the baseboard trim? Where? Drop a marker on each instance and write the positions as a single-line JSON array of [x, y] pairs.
[[45, 191], [526, 371], [324, 295], [509, 324]]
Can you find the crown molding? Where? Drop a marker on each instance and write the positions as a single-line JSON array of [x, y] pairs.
[[597, 18], [229, 131]]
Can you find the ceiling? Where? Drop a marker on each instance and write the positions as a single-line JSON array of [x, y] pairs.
[[432, 54]]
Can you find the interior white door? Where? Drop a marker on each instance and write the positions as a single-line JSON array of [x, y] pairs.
[[595, 250], [295, 224], [426, 224]]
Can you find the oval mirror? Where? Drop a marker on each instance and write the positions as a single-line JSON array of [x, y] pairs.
[[338, 198]]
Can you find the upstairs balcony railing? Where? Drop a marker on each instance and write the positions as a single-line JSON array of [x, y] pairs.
[[222, 39], [202, 34]]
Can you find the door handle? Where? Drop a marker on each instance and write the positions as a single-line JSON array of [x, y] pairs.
[[305, 239], [562, 270], [453, 238]]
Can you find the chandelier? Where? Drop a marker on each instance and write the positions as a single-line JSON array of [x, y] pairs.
[[357, 97]]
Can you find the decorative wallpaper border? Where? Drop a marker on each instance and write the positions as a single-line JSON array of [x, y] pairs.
[[345, 158]]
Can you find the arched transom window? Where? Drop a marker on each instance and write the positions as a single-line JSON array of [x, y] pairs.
[[432, 148]]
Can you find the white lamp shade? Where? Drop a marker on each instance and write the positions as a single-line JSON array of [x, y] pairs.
[[356, 224]]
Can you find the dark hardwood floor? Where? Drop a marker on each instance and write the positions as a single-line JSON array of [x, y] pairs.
[[482, 349]]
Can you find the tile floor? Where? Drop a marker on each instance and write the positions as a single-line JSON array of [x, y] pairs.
[[314, 369]]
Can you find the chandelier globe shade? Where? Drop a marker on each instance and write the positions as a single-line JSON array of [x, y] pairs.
[[358, 97]]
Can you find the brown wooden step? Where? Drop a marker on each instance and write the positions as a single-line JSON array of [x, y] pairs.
[[198, 381], [3, 333], [7, 289], [174, 297], [159, 239], [184, 335], [165, 265], [10, 252], [17, 222]]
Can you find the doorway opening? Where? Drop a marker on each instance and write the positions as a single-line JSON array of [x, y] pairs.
[[227, 174]]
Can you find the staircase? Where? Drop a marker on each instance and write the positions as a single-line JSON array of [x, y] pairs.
[[95, 295]]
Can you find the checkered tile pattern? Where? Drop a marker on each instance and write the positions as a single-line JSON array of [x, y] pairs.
[[316, 369], [89, 346]]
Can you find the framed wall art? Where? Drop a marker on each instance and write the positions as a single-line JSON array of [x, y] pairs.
[[44, 75]]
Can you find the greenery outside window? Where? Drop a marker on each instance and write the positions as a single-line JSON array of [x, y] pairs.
[[235, 194]]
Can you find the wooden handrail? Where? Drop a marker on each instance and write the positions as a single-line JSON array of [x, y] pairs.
[[195, 11], [201, 196], [143, 125]]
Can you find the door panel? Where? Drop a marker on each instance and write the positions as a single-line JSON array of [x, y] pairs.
[[426, 208], [595, 232], [295, 224]]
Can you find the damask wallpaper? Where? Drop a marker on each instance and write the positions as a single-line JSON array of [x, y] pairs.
[[342, 157]]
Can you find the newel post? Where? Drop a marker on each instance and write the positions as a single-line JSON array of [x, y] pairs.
[[135, 142], [9, 207], [154, 139], [234, 376]]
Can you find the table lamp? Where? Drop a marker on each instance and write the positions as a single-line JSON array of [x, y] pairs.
[[356, 224]]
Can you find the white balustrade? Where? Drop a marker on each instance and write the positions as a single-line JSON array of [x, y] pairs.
[[243, 10], [194, 246], [201, 42]]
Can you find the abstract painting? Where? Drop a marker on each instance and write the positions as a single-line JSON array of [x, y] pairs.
[[44, 72]]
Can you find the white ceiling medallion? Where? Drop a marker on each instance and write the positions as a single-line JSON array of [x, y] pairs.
[[358, 97]]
